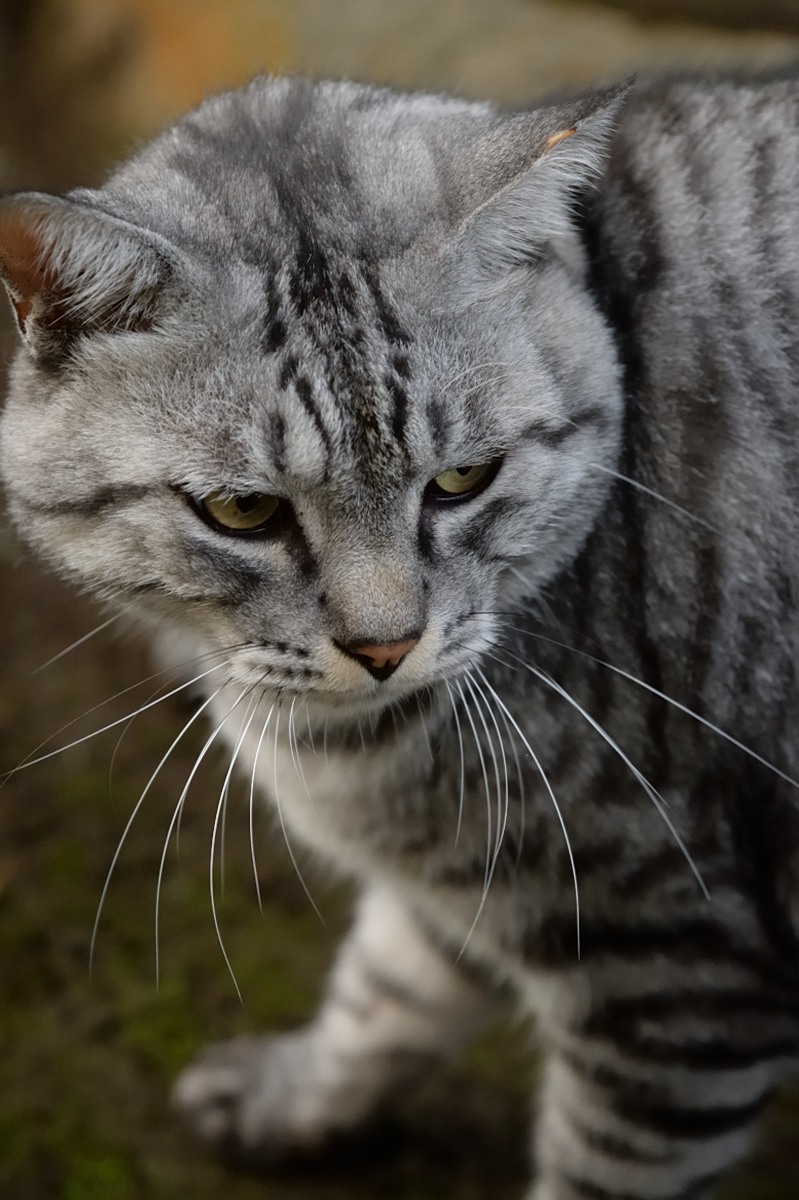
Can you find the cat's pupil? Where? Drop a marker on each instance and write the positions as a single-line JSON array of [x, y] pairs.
[[246, 504]]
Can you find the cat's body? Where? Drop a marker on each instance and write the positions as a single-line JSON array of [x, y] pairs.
[[338, 296]]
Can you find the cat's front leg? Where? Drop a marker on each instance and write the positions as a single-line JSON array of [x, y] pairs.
[[394, 1006], [616, 1129]]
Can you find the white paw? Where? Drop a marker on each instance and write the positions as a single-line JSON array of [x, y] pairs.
[[256, 1099]]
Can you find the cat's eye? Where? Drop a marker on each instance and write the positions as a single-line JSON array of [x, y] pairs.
[[460, 483], [250, 513]]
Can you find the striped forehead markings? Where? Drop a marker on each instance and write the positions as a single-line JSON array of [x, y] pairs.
[[333, 309], [291, 377]]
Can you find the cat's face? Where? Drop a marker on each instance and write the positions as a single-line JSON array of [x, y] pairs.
[[340, 431]]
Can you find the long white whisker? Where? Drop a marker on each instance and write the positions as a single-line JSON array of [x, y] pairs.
[[224, 792], [683, 708], [294, 862], [132, 718], [261, 737], [423, 725], [179, 809], [294, 750], [501, 831], [489, 838], [519, 776], [131, 819], [558, 812], [310, 730], [484, 771], [641, 487], [175, 816], [29, 760], [220, 808], [502, 809], [654, 796], [462, 783], [113, 724], [78, 642]]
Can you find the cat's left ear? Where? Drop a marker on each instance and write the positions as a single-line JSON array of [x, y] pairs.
[[533, 169], [70, 270]]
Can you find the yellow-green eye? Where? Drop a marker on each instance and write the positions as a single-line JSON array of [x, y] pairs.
[[463, 481], [240, 514]]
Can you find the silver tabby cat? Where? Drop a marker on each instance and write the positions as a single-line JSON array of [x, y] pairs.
[[459, 451]]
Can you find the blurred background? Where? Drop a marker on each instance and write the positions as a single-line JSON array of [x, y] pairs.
[[86, 1059]]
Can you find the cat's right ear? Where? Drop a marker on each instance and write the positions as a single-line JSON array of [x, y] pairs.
[[70, 269]]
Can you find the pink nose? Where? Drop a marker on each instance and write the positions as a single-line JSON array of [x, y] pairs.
[[380, 661]]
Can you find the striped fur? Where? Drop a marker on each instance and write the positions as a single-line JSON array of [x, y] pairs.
[[578, 786]]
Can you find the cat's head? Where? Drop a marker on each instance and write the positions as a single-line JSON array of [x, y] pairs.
[[317, 375]]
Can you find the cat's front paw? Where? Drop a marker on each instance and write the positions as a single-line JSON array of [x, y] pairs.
[[258, 1100]]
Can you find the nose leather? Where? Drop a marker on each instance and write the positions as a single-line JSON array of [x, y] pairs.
[[381, 661]]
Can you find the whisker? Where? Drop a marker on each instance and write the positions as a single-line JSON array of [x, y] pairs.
[[78, 642], [173, 670], [641, 487], [489, 838], [558, 812], [652, 793], [179, 809], [261, 737], [286, 839], [294, 750], [683, 708], [462, 783], [220, 809], [477, 694], [423, 725], [505, 815], [128, 826], [309, 728], [223, 794], [32, 762]]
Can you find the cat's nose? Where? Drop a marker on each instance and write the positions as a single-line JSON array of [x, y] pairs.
[[381, 661]]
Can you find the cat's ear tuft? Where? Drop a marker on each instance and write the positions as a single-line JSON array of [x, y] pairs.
[[70, 270], [537, 166]]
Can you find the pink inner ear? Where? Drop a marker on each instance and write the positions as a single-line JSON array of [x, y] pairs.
[[22, 261]]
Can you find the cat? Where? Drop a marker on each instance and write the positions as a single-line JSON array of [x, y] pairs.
[[458, 451]]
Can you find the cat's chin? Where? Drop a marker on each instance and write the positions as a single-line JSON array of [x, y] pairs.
[[348, 707], [317, 709]]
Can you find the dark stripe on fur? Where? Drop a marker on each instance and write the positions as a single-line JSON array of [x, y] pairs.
[[553, 436], [305, 393], [594, 1191], [618, 1147], [97, 503], [689, 940], [618, 1016], [643, 1104], [226, 569], [389, 321]]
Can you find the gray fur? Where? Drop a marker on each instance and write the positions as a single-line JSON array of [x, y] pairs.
[[579, 781]]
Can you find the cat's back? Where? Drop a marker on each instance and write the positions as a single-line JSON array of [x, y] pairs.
[[695, 236], [700, 207]]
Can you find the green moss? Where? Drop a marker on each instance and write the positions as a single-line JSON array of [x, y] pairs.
[[104, 1177]]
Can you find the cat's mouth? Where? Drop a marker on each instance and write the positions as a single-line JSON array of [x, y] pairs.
[[340, 696], [344, 681]]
